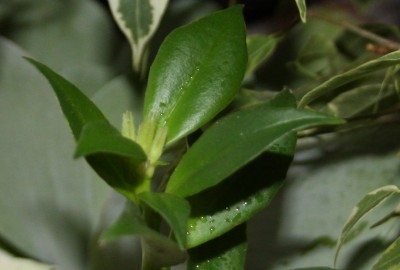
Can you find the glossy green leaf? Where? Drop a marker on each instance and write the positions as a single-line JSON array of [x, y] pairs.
[[221, 208], [100, 137], [390, 259], [161, 249], [197, 72], [77, 108], [363, 207], [216, 156], [356, 73], [301, 5], [260, 48], [138, 20], [225, 252], [359, 100], [173, 209]]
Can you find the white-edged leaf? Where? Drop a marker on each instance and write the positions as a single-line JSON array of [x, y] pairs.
[[363, 207], [138, 20], [301, 5], [390, 259], [8, 262]]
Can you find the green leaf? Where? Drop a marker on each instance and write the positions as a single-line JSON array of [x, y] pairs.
[[100, 137], [356, 73], [260, 48], [77, 108], [221, 208], [301, 5], [124, 174], [138, 20], [173, 209], [225, 252], [390, 259], [358, 100], [197, 72], [161, 249], [236, 140], [363, 207]]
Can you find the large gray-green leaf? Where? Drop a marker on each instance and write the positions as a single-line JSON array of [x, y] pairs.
[[327, 177], [197, 72], [363, 207], [390, 260], [356, 73], [138, 20], [13, 263], [49, 203], [62, 24], [216, 155]]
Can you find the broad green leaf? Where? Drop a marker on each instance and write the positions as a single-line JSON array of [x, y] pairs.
[[236, 140], [260, 48], [101, 137], [161, 249], [13, 263], [359, 100], [363, 207], [138, 20], [50, 204], [77, 108], [221, 208], [173, 209], [390, 259], [197, 72], [356, 73], [301, 5], [225, 252]]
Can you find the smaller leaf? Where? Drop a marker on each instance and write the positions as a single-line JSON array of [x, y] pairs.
[[390, 259], [162, 250], [301, 5], [363, 207], [356, 73], [100, 137], [77, 108], [359, 100], [260, 48], [173, 209], [225, 252]]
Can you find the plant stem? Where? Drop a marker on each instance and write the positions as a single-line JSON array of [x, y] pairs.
[[390, 44]]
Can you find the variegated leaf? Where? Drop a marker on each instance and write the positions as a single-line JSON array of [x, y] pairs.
[[138, 20]]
